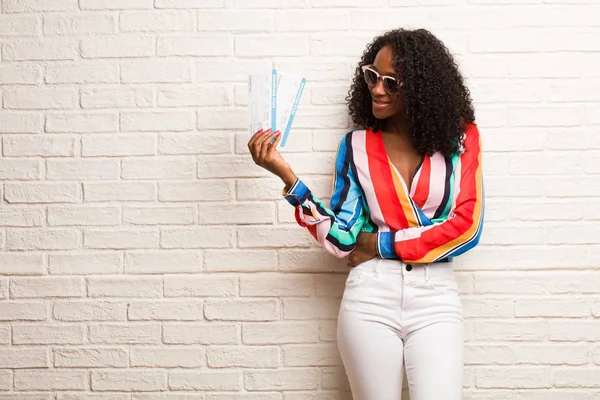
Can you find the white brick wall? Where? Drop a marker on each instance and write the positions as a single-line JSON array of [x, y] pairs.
[[143, 256]]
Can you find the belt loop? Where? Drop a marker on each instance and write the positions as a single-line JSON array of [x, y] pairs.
[[427, 273]]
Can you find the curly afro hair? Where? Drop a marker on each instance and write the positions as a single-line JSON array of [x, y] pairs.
[[437, 102]]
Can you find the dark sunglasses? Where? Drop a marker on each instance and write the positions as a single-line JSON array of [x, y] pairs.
[[390, 84]]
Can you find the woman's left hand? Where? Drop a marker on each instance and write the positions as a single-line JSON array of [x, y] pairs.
[[366, 249]]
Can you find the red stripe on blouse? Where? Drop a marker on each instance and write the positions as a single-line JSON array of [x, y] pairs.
[[383, 183]]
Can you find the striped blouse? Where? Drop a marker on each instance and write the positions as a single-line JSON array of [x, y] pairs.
[[439, 218]]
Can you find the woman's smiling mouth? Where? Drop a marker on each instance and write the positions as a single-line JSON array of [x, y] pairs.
[[378, 104]]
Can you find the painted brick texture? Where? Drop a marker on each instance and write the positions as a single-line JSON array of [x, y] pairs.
[[143, 256]]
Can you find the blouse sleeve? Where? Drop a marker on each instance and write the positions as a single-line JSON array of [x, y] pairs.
[[461, 231], [335, 228]]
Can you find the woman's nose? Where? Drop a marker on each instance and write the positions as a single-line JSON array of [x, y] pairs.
[[378, 88]]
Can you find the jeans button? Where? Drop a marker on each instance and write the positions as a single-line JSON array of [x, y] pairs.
[[408, 267]]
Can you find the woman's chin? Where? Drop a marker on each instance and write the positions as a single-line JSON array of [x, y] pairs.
[[380, 115]]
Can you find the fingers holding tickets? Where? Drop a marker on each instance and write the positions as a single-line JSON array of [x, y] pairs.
[[265, 144], [254, 145], [273, 144]]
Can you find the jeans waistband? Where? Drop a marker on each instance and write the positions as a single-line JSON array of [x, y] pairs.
[[397, 267]]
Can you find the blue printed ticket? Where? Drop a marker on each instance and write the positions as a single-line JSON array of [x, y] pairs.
[[273, 100]]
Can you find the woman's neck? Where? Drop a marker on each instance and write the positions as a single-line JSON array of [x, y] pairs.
[[398, 125]]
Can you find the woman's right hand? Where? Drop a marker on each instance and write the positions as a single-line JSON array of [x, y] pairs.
[[264, 153]]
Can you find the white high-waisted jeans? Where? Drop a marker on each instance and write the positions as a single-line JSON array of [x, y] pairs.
[[394, 313]]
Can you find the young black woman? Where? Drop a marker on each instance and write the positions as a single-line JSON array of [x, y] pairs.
[[407, 198]]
